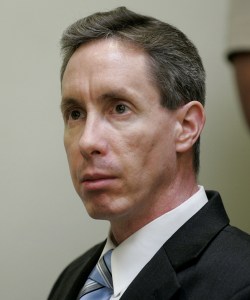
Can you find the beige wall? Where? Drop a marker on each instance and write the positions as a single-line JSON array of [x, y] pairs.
[[42, 222]]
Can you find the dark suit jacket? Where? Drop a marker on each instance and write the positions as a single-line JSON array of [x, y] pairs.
[[206, 259]]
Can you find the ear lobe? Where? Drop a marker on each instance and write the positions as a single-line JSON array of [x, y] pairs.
[[191, 120]]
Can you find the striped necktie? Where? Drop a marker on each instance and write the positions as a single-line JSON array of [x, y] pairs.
[[99, 284]]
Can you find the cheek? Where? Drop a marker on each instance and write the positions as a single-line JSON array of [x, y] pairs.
[[68, 149], [72, 153], [140, 151], [151, 152]]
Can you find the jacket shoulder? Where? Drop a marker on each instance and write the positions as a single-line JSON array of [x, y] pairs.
[[236, 247]]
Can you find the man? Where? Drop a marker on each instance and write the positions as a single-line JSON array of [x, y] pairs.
[[132, 101]]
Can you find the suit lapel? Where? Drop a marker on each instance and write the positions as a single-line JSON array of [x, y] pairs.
[[157, 280]]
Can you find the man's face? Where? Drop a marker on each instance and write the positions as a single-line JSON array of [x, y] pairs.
[[120, 141]]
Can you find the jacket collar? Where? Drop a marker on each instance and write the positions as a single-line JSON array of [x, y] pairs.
[[188, 243]]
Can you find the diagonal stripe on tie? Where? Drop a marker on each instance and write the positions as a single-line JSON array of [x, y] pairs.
[[99, 284], [90, 287], [103, 269]]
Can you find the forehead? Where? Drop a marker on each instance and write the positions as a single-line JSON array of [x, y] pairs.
[[108, 51], [108, 62]]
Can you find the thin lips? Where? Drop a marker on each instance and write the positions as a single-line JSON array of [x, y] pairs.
[[93, 177]]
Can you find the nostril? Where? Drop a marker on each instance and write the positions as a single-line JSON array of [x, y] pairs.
[[95, 152]]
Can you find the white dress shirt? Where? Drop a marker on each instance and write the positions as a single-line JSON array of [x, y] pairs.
[[129, 258]]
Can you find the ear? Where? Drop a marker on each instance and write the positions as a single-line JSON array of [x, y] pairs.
[[191, 119]]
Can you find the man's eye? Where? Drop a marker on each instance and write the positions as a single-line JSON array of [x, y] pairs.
[[120, 108], [75, 115]]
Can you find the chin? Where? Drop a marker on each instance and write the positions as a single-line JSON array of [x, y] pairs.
[[98, 211], [104, 212], [106, 207]]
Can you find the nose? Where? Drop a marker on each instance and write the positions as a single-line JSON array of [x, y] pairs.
[[93, 141]]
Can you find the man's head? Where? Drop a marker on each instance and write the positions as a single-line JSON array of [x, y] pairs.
[[129, 129], [174, 62]]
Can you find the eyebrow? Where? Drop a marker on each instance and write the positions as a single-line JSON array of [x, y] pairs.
[[115, 94], [68, 102]]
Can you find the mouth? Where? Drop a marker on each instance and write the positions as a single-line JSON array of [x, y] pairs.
[[96, 182]]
